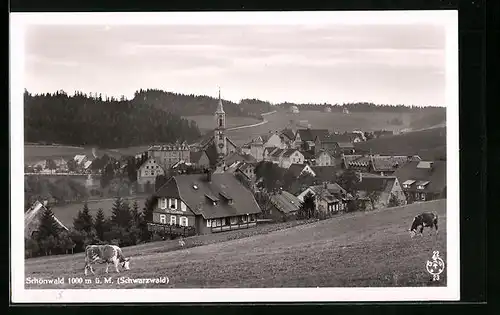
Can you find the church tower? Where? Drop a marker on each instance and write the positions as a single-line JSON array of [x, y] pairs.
[[220, 130]]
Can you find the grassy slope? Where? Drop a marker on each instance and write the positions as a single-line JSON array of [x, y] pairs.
[[356, 250], [320, 120], [426, 143], [207, 122]]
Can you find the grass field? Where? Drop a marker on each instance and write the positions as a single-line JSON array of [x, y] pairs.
[[68, 212], [428, 144], [320, 120], [351, 250], [207, 122]]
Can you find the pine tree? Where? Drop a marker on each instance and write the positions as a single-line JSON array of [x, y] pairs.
[[121, 216], [48, 225], [100, 224], [83, 220]]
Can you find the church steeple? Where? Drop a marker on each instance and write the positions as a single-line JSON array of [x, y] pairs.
[[220, 108], [220, 130]]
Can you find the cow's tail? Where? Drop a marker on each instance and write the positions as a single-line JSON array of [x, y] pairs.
[[119, 255], [435, 221]]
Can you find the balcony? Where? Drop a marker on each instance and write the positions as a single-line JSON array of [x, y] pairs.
[[233, 227]]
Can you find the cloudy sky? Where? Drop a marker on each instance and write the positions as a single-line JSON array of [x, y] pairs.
[[382, 64]]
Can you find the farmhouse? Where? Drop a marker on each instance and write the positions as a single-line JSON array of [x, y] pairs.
[[282, 205], [147, 172], [423, 180], [287, 137], [256, 147], [207, 203], [376, 191], [32, 219], [329, 144], [329, 198], [294, 109], [286, 157]]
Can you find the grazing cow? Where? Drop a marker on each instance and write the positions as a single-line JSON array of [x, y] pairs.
[[105, 254], [426, 219]]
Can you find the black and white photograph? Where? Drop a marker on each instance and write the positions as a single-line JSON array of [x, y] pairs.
[[243, 156]]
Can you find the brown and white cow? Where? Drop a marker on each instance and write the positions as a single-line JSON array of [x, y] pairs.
[[425, 219], [108, 254]]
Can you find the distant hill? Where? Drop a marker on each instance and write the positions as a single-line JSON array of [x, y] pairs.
[[194, 105], [428, 144]]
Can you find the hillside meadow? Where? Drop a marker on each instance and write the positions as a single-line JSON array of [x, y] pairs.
[[364, 249], [207, 122], [428, 144]]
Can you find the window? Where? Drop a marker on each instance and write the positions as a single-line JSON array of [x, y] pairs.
[[163, 219], [152, 173], [252, 218], [172, 203], [220, 122], [422, 196], [173, 220], [214, 223], [209, 223], [163, 203], [183, 221], [221, 137], [234, 220], [244, 218]]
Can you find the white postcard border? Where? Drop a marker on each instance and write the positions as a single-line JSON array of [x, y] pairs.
[[20, 295]]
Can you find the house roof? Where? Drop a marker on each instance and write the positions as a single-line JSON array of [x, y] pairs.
[[325, 173], [436, 176], [277, 152], [211, 152], [296, 169], [346, 145], [208, 139], [288, 133], [270, 150], [194, 156], [375, 183], [356, 160], [245, 166], [32, 218], [331, 193], [288, 152], [236, 156], [388, 163], [193, 190], [307, 155], [319, 153], [338, 138], [311, 134], [285, 202]]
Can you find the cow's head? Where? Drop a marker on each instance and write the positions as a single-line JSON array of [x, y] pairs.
[[412, 233], [126, 263]]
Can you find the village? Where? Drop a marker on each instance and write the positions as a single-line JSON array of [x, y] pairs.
[[214, 186]]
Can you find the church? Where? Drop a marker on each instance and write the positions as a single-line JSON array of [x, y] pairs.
[[216, 144]]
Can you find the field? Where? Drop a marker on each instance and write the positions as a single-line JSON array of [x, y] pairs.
[[207, 122], [320, 120], [68, 212], [350, 250], [428, 144]]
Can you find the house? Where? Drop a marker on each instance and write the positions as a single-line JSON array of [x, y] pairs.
[[247, 169], [309, 157], [338, 144], [423, 180], [32, 219], [357, 162], [327, 109], [376, 191], [387, 165], [298, 169], [287, 137], [200, 159], [329, 198], [207, 203], [305, 138], [80, 159], [286, 157], [325, 173], [239, 157], [147, 172], [294, 109], [323, 158], [283, 205], [329, 143], [167, 155]]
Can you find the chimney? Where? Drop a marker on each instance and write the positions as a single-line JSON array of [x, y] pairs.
[[209, 175], [325, 185]]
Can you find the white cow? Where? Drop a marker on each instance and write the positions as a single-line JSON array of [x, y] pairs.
[[105, 254]]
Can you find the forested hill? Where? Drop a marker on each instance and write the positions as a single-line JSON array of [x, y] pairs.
[[109, 123], [191, 105]]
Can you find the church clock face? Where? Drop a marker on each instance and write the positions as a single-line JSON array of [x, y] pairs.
[[221, 145]]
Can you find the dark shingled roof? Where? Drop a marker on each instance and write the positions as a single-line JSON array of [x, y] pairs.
[[194, 156], [288, 152], [325, 173], [288, 133], [295, 169], [277, 152], [196, 199], [236, 156], [436, 175], [311, 134], [375, 183], [285, 202]]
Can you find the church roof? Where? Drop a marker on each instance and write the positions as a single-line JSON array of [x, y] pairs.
[[220, 108]]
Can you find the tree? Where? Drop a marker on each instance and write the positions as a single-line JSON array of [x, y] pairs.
[[51, 165], [349, 181], [48, 225], [107, 175], [120, 215], [83, 220], [72, 166], [307, 208], [100, 224], [264, 201], [271, 174], [65, 243], [31, 247], [394, 201]]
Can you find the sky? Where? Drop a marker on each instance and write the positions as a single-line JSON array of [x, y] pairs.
[[383, 64]]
